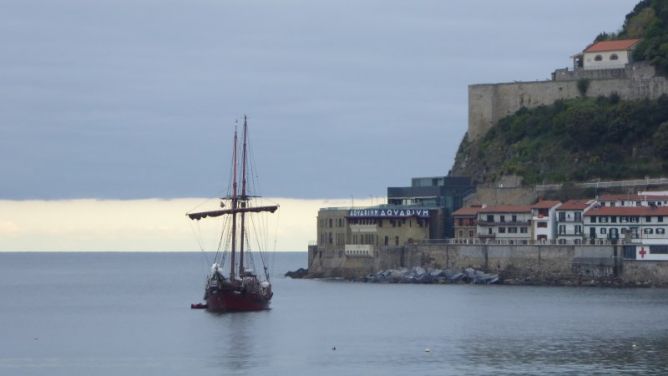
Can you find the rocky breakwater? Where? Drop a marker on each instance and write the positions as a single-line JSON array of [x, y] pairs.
[[427, 276], [297, 274]]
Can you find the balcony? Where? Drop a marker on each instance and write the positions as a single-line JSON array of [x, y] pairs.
[[359, 250], [506, 223]]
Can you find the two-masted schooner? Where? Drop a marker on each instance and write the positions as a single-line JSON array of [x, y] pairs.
[[242, 289]]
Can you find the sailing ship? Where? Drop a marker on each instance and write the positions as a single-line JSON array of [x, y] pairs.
[[242, 289]]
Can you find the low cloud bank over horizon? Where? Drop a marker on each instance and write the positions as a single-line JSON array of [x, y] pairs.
[[148, 225]]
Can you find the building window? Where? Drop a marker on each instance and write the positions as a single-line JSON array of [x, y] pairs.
[[598, 58], [660, 231], [512, 230], [503, 218], [562, 229], [562, 216], [648, 231], [387, 239], [660, 218], [578, 217], [396, 240], [489, 231], [490, 218], [502, 230], [514, 218], [593, 219], [578, 229], [542, 224], [470, 233], [614, 57], [603, 230], [523, 230], [648, 219]]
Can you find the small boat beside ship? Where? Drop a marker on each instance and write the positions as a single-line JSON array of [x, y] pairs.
[[241, 288]]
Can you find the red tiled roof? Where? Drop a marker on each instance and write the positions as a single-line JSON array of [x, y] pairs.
[[545, 204], [631, 197], [612, 45], [467, 211], [628, 210], [575, 205], [506, 209]]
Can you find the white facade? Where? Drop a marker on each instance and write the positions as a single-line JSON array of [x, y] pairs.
[[543, 221], [504, 225], [634, 200], [605, 59], [638, 225], [570, 222]]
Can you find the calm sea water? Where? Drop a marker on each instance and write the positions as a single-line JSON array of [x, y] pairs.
[[129, 314]]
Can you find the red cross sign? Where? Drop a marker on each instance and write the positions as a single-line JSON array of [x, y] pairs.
[[642, 252]]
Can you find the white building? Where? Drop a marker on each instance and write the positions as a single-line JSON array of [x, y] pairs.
[[609, 54], [570, 221], [505, 222], [644, 223], [543, 220], [633, 200]]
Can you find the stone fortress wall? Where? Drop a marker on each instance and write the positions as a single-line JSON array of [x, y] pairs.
[[488, 103]]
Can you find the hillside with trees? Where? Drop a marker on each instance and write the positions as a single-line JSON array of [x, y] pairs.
[[585, 138], [573, 140], [648, 21]]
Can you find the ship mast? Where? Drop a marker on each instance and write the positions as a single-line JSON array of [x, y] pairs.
[[238, 205], [234, 205], [244, 198]]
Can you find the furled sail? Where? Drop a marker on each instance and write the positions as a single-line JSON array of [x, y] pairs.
[[217, 213]]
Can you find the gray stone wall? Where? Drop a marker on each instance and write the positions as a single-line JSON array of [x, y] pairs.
[[539, 264], [490, 102], [653, 273]]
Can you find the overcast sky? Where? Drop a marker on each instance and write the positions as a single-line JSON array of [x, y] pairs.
[[138, 98], [147, 225]]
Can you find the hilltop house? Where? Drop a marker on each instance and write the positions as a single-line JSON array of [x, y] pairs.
[[609, 54]]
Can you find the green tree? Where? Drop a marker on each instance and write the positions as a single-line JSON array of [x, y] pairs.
[[660, 139]]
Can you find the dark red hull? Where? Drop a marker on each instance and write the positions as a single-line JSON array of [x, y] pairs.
[[234, 301], [238, 296]]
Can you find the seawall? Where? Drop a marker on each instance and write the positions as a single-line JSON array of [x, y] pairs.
[[522, 264], [488, 103]]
